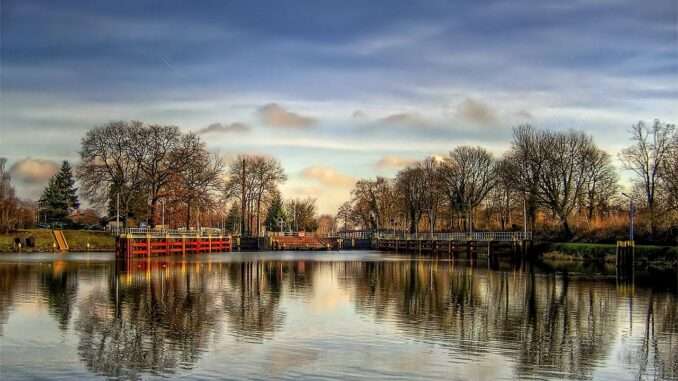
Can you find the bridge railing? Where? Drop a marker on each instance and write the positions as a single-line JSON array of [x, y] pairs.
[[460, 236]]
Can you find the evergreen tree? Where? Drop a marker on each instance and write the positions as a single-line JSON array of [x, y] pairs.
[[233, 218], [60, 197], [66, 184], [275, 214]]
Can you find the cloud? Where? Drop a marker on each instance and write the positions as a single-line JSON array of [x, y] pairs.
[[220, 128], [476, 112], [33, 171], [359, 114], [524, 114], [410, 119], [391, 161], [328, 176], [275, 115]]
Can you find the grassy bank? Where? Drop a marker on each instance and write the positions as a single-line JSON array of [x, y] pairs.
[[600, 252], [44, 240]]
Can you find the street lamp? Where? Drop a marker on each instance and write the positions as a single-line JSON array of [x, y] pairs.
[[631, 215]]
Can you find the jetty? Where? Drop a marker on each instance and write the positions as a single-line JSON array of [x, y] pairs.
[[135, 242]]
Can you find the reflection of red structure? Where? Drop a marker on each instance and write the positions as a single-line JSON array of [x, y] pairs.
[[139, 246]]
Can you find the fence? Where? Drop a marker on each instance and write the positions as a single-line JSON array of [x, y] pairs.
[[159, 232], [460, 236]]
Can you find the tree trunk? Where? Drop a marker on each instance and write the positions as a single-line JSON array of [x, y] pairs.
[[243, 191], [258, 212]]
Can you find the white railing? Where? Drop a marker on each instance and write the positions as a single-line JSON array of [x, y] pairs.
[[358, 234], [202, 232], [460, 236]]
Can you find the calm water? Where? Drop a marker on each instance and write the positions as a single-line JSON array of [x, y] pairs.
[[359, 315]]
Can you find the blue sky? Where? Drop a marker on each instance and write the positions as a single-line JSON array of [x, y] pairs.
[[335, 90]]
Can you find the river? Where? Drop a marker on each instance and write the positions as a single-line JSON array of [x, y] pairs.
[[359, 315]]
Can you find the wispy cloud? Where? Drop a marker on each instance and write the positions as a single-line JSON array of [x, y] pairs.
[[407, 119], [328, 176], [393, 162], [477, 112], [219, 128], [275, 115]]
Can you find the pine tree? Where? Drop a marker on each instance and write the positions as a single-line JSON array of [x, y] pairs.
[[66, 184], [60, 196], [233, 218], [275, 214]]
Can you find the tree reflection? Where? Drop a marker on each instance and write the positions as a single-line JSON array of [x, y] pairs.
[[60, 288], [252, 302], [549, 322], [148, 321]]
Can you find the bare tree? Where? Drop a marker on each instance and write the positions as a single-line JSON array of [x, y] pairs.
[[601, 181], [303, 214], [669, 175], [374, 201], [345, 214], [108, 168], [523, 167], [268, 173], [201, 180], [563, 172], [251, 179], [161, 152], [468, 175], [645, 158], [8, 201], [411, 189]]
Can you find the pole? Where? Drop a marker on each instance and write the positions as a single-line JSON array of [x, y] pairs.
[[524, 218], [163, 214], [117, 213], [631, 215]]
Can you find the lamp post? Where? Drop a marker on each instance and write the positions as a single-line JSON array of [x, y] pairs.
[[631, 215]]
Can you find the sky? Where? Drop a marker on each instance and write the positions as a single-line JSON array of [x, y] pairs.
[[335, 90]]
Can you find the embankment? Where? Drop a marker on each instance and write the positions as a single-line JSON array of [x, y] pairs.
[[43, 240], [601, 253]]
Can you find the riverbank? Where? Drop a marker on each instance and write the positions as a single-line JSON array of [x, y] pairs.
[[605, 253], [78, 240]]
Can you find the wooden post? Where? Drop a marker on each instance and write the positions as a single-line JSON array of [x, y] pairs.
[[148, 244]]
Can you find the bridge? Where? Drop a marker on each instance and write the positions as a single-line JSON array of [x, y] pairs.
[[451, 243]]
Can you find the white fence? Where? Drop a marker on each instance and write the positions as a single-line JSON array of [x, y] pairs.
[[202, 232], [459, 236]]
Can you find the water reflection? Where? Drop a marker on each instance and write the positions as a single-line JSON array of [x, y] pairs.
[[161, 317]]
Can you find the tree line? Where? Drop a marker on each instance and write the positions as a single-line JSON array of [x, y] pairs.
[[559, 183], [158, 174]]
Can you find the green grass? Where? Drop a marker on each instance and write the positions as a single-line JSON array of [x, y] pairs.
[[77, 240], [602, 251]]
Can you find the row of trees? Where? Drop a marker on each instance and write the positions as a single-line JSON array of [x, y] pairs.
[[155, 173], [134, 168], [549, 179]]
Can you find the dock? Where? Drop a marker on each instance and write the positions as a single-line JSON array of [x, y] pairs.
[[135, 242]]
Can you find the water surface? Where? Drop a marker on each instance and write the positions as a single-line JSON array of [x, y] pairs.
[[350, 315]]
